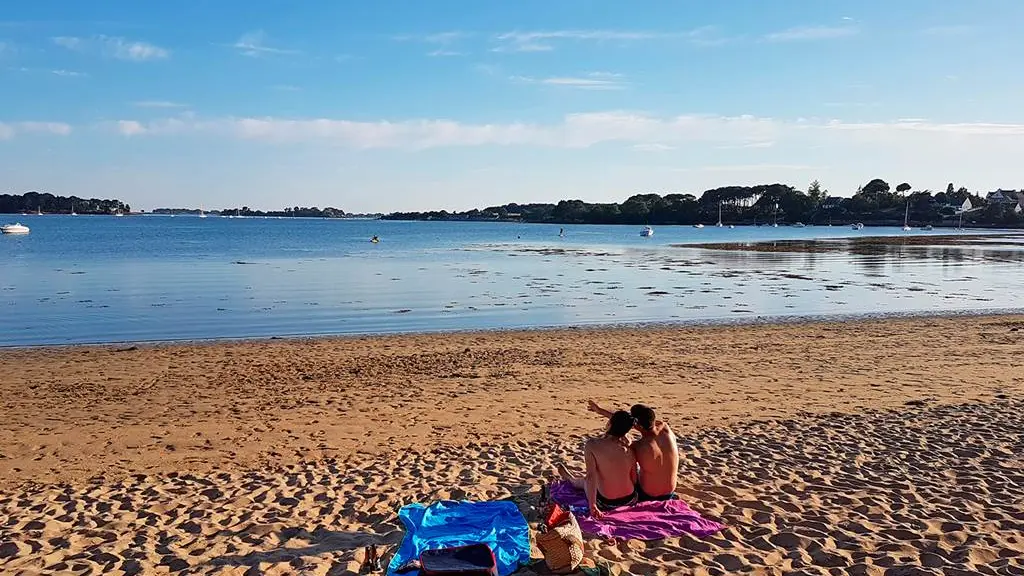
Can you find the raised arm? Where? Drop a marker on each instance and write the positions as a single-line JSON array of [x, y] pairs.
[[593, 407]]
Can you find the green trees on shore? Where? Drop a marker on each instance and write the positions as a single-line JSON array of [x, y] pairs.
[[295, 212], [873, 203], [876, 202], [32, 202]]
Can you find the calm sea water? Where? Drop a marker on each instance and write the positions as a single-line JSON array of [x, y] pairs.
[[91, 279]]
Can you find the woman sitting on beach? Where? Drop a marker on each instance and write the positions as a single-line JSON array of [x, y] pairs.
[[611, 478]]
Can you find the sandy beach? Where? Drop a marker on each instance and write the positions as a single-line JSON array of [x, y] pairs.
[[875, 447]]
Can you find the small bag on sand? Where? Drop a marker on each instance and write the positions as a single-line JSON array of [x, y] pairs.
[[471, 560], [562, 542]]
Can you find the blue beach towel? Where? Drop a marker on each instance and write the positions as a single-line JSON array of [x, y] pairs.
[[447, 524]]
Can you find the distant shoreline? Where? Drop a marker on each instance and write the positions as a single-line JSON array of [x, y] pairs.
[[690, 324]]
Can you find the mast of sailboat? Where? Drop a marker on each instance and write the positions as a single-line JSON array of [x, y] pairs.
[[719, 212], [775, 215], [906, 215]]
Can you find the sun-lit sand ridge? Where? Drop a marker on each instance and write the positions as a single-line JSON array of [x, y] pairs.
[[881, 447]]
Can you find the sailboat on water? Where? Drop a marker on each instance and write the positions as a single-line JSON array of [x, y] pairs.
[[775, 216], [906, 218], [202, 214], [719, 225]]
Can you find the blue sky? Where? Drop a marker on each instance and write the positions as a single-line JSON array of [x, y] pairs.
[[419, 104]]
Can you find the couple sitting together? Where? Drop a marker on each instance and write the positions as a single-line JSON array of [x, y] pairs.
[[622, 473]]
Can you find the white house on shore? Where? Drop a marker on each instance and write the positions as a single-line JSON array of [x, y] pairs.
[[1005, 197]]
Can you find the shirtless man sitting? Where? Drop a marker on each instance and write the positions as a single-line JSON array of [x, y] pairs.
[[610, 480], [656, 453]]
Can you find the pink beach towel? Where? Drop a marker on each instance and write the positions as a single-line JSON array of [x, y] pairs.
[[643, 521]]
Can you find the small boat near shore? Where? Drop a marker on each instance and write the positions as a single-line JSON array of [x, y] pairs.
[[16, 228], [647, 232]]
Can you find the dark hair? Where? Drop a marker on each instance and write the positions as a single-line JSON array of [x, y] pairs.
[[621, 423], [644, 416]]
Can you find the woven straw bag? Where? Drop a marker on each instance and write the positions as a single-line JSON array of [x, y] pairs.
[[562, 546]]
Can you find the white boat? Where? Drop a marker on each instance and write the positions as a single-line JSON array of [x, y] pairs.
[[799, 225], [201, 213], [698, 225], [73, 213], [731, 226], [906, 219], [857, 226], [39, 211], [647, 232], [928, 227], [16, 228], [719, 225]]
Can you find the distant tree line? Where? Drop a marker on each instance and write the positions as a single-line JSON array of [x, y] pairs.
[[295, 212], [874, 203], [32, 202]]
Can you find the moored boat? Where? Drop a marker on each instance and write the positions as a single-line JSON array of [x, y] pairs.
[[16, 228]]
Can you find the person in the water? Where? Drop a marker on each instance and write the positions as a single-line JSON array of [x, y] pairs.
[[375, 239]]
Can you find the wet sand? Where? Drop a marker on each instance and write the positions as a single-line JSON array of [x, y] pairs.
[[1009, 242], [875, 447]]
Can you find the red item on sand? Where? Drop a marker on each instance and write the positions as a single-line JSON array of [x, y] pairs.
[[555, 515]]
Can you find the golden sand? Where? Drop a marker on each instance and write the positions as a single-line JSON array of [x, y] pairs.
[[884, 447]]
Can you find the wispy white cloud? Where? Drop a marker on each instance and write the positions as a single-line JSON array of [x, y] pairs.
[[69, 42], [68, 73], [590, 81], [443, 41], [748, 145], [442, 53], [707, 36], [807, 33], [574, 131], [115, 47], [131, 128], [136, 51], [652, 147], [544, 41], [449, 37], [254, 44], [158, 104], [9, 130], [751, 168]]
